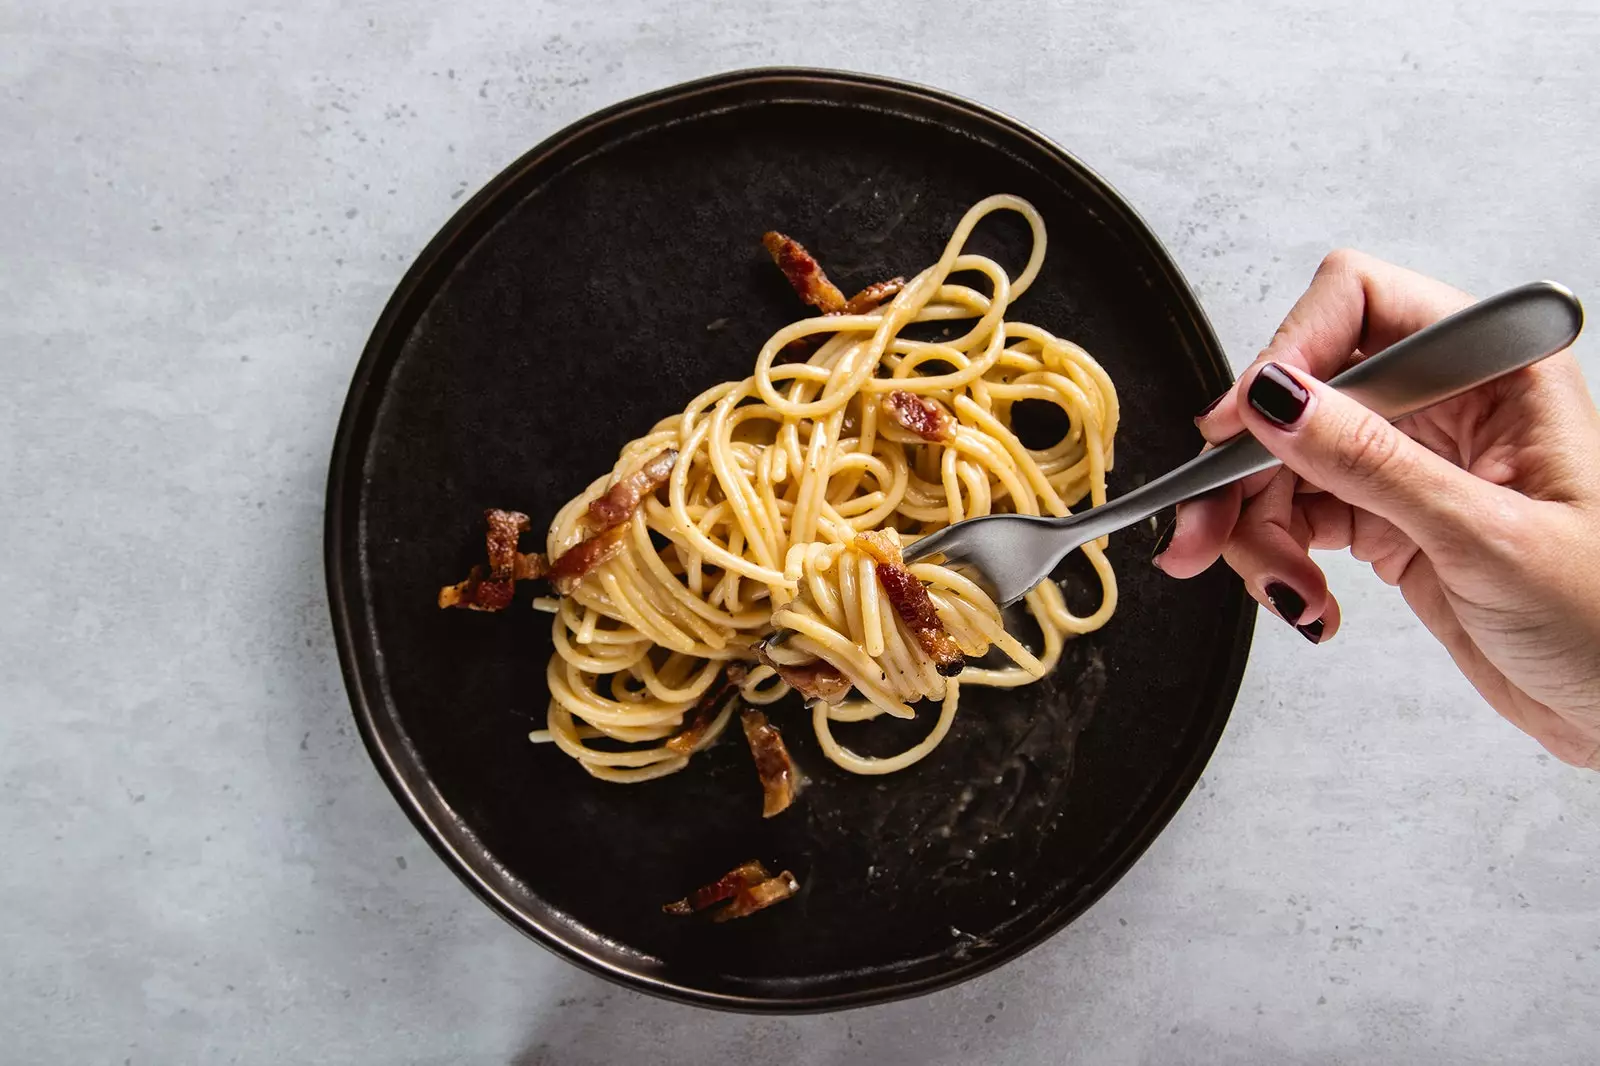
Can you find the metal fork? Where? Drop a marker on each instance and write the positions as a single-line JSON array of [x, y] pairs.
[[1490, 339]]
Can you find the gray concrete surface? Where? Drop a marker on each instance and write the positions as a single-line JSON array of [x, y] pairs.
[[206, 204]]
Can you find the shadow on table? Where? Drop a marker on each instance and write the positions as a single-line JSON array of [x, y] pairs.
[[598, 1023], [1059, 1004]]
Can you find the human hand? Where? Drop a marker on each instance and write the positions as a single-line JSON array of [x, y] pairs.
[[1484, 510]]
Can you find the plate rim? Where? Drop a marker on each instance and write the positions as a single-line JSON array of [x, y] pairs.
[[341, 533]]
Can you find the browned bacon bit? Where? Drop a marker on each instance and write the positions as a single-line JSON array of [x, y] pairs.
[[505, 528], [606, 519], [742, 876], [870, 297], [880, 545], [749, 885], [780, 779], [571, 565], [923, 417], [804, 273], [758, 896], [492, 590], [911, 602], [530, 566], [622, 499], [704, 713], [815, 680], [477, 594]]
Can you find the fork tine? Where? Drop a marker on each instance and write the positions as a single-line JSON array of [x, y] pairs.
[[950, 540]]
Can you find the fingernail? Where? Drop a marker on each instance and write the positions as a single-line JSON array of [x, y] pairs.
[[1278, 396], [1212, 406], [1165, 539], [1289, 604], [1312, 631]]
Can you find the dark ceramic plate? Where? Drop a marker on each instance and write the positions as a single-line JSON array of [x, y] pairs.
[[594, 287]]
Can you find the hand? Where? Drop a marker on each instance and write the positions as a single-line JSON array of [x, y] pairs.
[[1484, 510]]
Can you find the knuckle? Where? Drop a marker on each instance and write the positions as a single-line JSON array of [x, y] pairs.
[[1368, 447], [1340, 261]]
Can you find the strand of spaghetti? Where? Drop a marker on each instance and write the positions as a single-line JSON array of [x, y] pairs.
[[691, 531], [867, 764], [1019, 455]]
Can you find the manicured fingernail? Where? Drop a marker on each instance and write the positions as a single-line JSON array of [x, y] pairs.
[[1312, 631], [1289, 604], [1165, 539], [1212, 406], [1278, 396]]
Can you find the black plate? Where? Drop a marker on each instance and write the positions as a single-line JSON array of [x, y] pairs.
[[594, 287]]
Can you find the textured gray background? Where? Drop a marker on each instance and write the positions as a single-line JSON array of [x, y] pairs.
[[206, 205]]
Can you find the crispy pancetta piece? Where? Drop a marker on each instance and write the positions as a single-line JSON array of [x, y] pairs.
[[622, 499], [911, 602], [704, 713], [804, 273], [748, 885], [573, 564], [815, 680], [780, 779], [869, 298], [923, 417], [607, 519], [758, 896], [491, 589], [811, 284]]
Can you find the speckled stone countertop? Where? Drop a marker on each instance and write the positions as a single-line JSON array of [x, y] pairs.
[[208, 202]]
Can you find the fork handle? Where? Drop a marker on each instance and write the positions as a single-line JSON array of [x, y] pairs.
[[1474, 346]]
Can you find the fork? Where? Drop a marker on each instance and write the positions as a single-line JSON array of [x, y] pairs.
[[1490, 339]]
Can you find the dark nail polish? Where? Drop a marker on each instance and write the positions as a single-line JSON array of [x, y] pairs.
[[1312, 631], [1280, 398], [1289, 604], [1212, 406], [1165, 539]]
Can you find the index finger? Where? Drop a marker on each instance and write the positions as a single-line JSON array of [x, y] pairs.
[[1354, 302]]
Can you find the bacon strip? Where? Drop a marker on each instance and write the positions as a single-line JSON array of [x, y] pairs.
[[870, 297], [811, 284], [685, 740], [756, 897], [742, 876], [748, 885], [622, 499], [804, 273], [780, 780], [476, 593], [923, 417], [492, 590], [606, 517], [911, 602], [573, 564], [816, 680]]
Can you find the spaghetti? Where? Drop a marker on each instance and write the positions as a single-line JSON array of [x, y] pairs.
[[768, 529]]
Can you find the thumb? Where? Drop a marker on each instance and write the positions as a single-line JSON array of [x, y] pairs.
[[1353, 453]]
